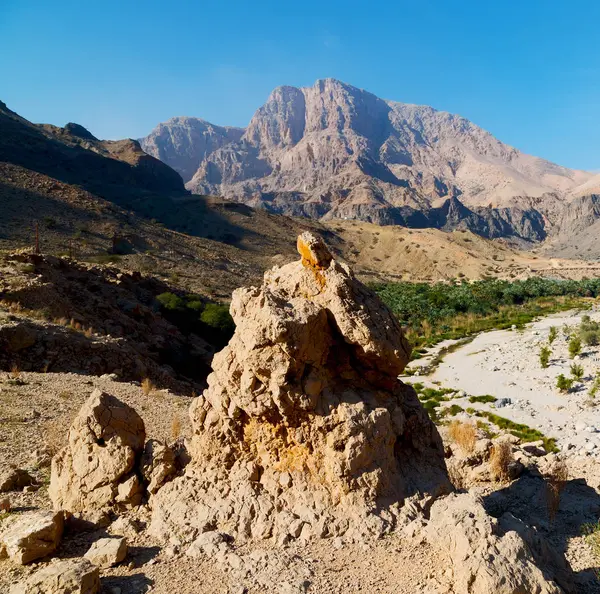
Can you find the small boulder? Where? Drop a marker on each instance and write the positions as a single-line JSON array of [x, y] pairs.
[[14, 479], [32, 537], [71, 576], [107, 552], [157, 465], [97, 467]]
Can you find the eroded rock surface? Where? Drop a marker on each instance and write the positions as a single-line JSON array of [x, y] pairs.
[[71, 576], [31, 537], [98, 466], [305, 429]]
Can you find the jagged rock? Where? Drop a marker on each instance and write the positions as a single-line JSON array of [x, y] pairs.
[[157, 465], [305, 429], [14, 479], [97, 468], [71, 576], [107, 552], [32, 536], [484, 558]]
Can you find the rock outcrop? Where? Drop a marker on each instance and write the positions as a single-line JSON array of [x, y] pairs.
[[31, 537], [487, 556], [305, 429], [71, 576], [98, 467], [106, 552]]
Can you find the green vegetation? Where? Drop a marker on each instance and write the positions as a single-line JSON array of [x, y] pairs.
[[595, 387], [523, 432], [589, 331], [545, 353], [564, 384], [105, 259], [574, 346], [552, 334], [434, 312], [191, 314], [484, 398], [577, 371], [592, 537], [431, 399]]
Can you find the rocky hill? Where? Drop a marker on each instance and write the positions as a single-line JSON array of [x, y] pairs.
[[335, 151]]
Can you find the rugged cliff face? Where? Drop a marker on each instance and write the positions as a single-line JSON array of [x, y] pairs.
[[332, 151]]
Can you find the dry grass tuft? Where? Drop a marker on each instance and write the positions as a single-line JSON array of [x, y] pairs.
[[500, 458], [176, 427], [464, 434], [148, 386], [15, 372], [556, 480]]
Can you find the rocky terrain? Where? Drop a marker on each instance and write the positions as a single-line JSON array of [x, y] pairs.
[[332, 151], [306, 465]]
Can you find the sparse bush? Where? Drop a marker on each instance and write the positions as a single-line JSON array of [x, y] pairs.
[[592, 537], [552, 334], [563, 383], [595, 387], [545, 353], [170, 301], [501, 457], [217, 316], [556, 480], [574, 346], [15, 372], [590, 337], [464, 435], [147, 386], [577, 371]]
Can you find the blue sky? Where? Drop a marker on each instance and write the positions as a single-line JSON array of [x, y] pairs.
[[527, 71]]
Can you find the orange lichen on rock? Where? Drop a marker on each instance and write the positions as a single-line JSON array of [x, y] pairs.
[[314, 252]]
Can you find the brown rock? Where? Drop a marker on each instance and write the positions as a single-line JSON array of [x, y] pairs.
[[304, 428], [71, 576], [157, 465], [97, 468], [14, 479], [32, 536], [107, 552]]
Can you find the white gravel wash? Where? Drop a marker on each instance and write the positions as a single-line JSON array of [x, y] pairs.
[[506, 364]]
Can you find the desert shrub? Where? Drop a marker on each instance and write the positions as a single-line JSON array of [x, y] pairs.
[[175, 427], [574, 346], [545, 356], [564, 384], [147, 386], [552, 334], [500, 458], [556, 480], [590, 337], [595, 387], [464, 435], [577, 371], [217, 316], [592, 537], [170, 301]]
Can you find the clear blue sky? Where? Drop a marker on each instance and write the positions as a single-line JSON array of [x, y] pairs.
[[527, 71]]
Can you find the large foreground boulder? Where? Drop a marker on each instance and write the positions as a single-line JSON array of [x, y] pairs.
[[305, 429], [98, 466]]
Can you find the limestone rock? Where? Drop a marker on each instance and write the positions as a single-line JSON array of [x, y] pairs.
[[97, 467], [14, 479], [71, 576], [32, 536], [157, 465], [304, 428], [483, 558], [107, 552]]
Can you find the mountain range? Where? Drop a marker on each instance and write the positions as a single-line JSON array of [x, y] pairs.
[[333, 151]]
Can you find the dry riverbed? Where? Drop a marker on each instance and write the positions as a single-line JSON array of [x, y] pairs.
[[506, 365]]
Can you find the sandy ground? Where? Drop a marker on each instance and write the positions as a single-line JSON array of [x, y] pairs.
[[505, 364]]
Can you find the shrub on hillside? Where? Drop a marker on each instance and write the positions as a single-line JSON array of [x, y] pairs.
[[545, 356], [170, 301], [552, 334], [574, 346], [577, 371]]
